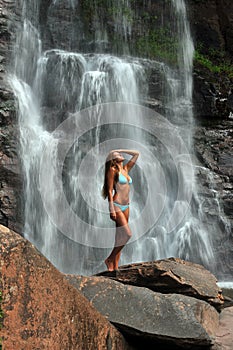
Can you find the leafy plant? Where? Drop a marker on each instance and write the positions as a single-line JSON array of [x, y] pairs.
[[215, 62], [158, 44]]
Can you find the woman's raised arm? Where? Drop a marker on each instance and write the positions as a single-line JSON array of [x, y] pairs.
[[132, 161]]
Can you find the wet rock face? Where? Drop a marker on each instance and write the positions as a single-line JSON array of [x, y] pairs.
[[41, 309], [213, 142], [212, 30], [207, 31], [212, 23], [11, 182], [93, 30], [212, 94]]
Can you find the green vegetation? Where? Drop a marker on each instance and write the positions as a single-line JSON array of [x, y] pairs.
[[151, 37], [158, 44], [106, 8], [125, 12], [215, 61]]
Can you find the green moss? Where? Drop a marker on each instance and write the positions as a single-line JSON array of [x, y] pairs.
[[215, 62], [151, 37], [206, 62], [125, 12], [7, 105], [158, 44]]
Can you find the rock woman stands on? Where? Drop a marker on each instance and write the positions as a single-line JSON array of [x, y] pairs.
[[118, 179]]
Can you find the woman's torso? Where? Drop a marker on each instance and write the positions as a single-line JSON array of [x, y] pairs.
[[122, 188]]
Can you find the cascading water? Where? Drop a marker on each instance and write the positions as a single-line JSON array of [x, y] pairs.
[[190, 239], [61, 82]]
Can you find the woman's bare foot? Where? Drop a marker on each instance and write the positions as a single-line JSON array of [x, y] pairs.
[[109, 264]]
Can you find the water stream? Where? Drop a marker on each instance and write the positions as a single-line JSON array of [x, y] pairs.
[[52, 85]]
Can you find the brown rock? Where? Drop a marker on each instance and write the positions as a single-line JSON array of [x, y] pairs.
[[41, 309], [171, 275]]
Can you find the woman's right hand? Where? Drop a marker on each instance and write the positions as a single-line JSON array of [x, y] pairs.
[[113, 215]]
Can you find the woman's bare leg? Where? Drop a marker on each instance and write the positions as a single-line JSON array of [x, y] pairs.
[[123, 234], [126, 213]]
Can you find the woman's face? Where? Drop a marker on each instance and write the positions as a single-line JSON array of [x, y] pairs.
[[118, 157]]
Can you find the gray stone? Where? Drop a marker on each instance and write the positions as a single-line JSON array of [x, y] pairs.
[[147, 316], [171, 275]]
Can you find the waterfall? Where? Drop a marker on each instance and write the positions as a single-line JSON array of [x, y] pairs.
[[52, 87]]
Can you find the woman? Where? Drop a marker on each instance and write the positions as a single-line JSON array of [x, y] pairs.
[[117, 179]]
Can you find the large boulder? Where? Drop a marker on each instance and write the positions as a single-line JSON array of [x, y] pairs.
[[171, 275], [41, 310], [150, 318]]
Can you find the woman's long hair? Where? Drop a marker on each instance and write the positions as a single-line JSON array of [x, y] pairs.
[[108, 165]]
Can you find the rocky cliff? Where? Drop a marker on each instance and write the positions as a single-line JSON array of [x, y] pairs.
[[11, 182], [147, 30], [212, 28]]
